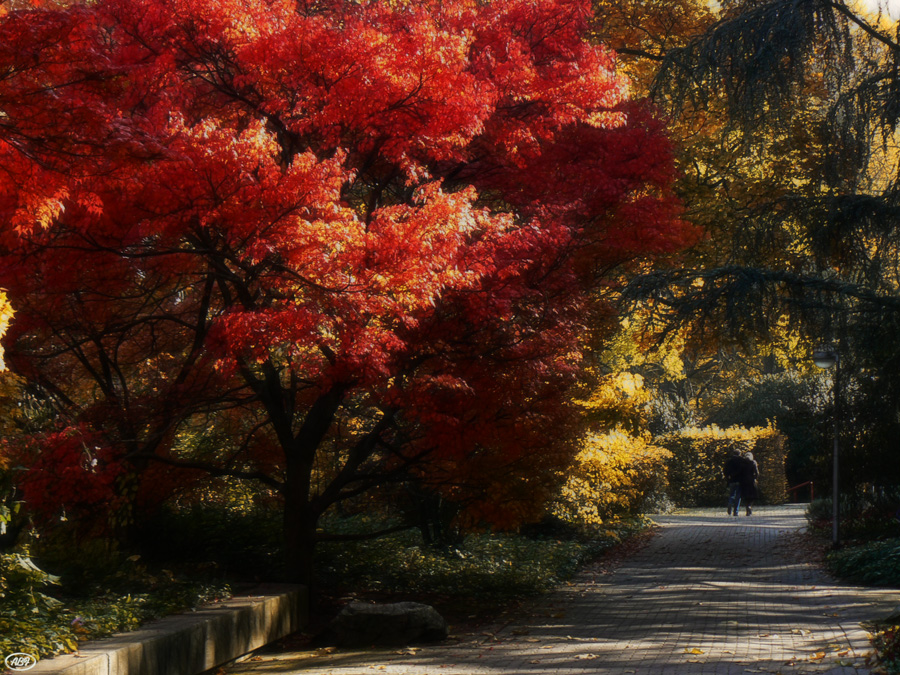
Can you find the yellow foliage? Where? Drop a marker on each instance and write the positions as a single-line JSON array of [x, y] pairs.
[[629, 349], [611, 478], [6, 315], [618, 400], [699, 454]]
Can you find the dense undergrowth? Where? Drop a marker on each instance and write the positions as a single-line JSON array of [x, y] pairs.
[[43, 615], [486, 566], [99, 592]]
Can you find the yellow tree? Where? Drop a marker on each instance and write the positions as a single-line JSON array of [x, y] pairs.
[[804, 221]]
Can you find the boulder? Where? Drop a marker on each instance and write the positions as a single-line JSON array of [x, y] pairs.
[[361, 624]]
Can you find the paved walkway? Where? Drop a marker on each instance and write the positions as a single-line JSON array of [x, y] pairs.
[[709, 594]]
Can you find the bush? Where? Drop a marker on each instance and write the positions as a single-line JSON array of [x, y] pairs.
[[698, 455], [819, 512], [36, 622], [865, 515], [876, 563], [496, 566], [791, 399], [613, 477], [242, 545]]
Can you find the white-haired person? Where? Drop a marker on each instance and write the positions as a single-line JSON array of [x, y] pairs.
[[748, 479]]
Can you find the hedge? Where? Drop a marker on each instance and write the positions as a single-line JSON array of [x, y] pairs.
[[698, 455]]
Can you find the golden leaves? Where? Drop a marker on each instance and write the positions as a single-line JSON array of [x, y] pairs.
[[6, 315], [610, 477]]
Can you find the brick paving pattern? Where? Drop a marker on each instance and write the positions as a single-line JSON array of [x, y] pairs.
[[710, 594]]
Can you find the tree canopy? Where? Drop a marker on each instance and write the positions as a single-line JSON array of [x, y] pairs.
[[799, 196], [337, 244]]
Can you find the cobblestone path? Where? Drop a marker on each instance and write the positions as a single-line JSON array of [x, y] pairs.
[[709, 595]]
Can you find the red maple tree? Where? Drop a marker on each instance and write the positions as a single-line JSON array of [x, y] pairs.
[[375, 233]]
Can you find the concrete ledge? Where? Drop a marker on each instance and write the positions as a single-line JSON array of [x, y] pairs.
[[188, 644]]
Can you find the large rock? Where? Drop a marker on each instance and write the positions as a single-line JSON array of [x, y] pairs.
[[361, 624]]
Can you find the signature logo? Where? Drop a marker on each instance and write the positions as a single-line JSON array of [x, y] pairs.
[[21, 661]]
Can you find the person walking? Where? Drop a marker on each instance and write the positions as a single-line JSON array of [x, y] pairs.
[[749, 480], [733, 469]]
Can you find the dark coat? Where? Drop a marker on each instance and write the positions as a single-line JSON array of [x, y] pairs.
[[747, 478], [734, 467]]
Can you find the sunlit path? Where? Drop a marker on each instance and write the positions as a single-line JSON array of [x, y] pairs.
[[709, 594]]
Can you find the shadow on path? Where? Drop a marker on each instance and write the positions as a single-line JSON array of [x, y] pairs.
[[709, 594]]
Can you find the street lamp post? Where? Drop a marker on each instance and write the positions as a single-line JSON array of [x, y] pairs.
[[825, 359]]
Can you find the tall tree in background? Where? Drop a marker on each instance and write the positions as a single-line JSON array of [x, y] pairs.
[[807, 237], [367, 240]]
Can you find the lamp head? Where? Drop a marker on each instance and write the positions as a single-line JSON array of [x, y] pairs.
[[824, 358]]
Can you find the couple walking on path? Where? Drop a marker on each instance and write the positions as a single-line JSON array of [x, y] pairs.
[[741, 472]]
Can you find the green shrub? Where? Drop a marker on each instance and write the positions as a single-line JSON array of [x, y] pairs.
[[36, 622], [819, 512], [876, 563], [241, 544], [484, 565], [862, 516]]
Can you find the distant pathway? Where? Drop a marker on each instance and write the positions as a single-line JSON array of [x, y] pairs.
[[710, 594]]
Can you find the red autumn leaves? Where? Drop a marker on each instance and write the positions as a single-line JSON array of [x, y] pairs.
[[390, 217]]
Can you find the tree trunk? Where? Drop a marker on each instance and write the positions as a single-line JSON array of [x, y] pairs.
[[299, 524], [301, 516]]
